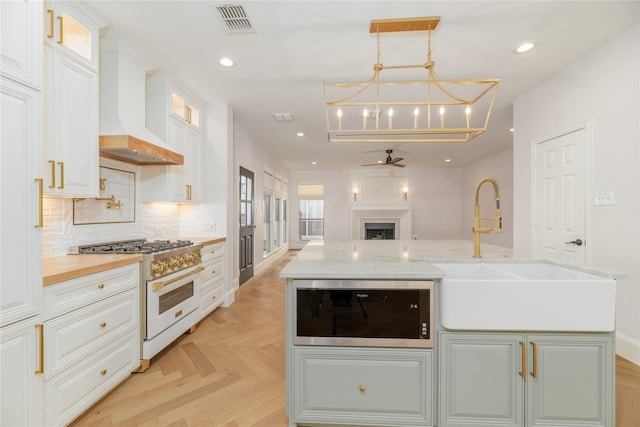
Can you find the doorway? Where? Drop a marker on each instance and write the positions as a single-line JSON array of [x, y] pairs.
[[560, 196], [247, 224]]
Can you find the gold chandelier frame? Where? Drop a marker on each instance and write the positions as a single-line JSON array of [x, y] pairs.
[[431, 110]]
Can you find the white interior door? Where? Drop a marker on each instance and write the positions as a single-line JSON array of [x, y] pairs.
[[560, 197]]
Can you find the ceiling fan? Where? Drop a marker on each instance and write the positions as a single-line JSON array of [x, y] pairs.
[[389, 161]]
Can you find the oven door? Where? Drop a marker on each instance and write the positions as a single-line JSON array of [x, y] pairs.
[[364, 313], [170, 298]]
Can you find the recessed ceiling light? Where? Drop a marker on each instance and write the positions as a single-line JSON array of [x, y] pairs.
[[227, 62], [314, 163], [447, 160], [300, 133], [524, 47], [511, 130]]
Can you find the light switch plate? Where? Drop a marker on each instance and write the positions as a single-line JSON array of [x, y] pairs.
[[604, 198]]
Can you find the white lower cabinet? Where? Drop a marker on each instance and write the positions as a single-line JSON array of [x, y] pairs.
[[362, 386], [91, 339], [509, 379], [212, 278], [21, 382]]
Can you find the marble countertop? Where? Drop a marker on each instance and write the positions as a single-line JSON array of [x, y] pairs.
[[383, 259]]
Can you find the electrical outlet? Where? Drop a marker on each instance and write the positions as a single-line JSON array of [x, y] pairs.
[[209, 226], [605, 198]]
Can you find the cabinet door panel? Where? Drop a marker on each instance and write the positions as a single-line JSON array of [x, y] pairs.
[[20, 40], [75, 127], [20, 243], [20, 388], [479, 381], [573, 381]]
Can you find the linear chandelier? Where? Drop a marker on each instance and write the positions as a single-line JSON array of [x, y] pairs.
[[411, 110]]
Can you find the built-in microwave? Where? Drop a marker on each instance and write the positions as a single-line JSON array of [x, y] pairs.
[[373, 313]]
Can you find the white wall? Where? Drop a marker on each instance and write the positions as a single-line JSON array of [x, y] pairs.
[[603, 90], [434, 198], [500, 167]]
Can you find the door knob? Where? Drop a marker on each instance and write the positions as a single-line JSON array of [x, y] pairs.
[[576, 242]]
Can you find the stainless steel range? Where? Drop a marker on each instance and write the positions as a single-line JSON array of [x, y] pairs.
[[169, 288]]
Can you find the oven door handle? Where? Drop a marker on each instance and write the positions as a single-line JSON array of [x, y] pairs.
[[159, 285]]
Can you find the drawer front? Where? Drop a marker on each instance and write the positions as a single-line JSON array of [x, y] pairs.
[[211, 299], [211, 271], [373, 387], [212, 252], [66, 296], [70, 338], [70, 393]]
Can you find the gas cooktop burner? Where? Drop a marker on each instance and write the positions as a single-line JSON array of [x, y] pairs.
[[134, 247]]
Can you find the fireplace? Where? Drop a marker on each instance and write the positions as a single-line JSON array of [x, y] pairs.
[[387, 223], [379, 230]]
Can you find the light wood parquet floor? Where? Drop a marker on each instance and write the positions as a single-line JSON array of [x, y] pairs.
[[231, 371]]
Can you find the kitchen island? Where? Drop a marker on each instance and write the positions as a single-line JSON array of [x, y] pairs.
[[471, 375]]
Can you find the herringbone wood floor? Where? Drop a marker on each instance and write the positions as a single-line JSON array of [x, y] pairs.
[[231, 371]]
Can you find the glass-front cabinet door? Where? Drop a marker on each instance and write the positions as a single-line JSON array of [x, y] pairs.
[[74, 29]]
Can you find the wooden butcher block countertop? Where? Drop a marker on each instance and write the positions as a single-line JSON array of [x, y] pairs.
[[59, 269]]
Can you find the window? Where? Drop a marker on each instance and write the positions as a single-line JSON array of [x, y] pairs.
[[277, 239], [311, 219], [311, 209], [285, 227], [266, 214]]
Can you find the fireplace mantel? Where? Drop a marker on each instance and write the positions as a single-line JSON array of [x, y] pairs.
[[401, 217]]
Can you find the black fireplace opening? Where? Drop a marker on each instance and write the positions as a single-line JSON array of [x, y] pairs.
[[379, 231]]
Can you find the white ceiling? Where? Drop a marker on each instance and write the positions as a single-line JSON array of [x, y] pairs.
[[297, 45]]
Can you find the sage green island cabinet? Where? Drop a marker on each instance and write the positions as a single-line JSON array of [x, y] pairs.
[[526, 379]]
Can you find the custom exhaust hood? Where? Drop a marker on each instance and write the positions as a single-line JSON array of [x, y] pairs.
[[123, 135]]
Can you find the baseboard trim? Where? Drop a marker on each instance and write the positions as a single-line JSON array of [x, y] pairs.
[[628, 348], [268, 261]]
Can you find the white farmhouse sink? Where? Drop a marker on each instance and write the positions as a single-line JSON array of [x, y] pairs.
[[523, 296]]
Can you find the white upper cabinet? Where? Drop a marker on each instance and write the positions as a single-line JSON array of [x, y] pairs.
[[166, 99], [73, 29], [20, 38], [173, 117], [70, 163]]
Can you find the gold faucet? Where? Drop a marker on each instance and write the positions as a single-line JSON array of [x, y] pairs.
[[497, 219]]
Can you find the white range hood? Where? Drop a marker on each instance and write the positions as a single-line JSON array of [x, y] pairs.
[[123, 135]]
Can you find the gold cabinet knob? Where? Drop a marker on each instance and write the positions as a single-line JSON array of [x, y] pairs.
[[362, 389], [101, 286], [103, 324], [103, 372]]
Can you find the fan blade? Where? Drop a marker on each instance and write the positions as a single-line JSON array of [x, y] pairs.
[[398, 165], [375, 164], [396, 160]]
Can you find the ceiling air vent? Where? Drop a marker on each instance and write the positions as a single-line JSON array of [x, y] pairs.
[[234, 19], [283, 117]]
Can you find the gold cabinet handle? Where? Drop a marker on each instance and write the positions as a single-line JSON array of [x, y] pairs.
[[53, 173], [103, 372], [50, 12], [101, 286], [534, 372], [188, 188], [362, 389], [103, 324], [523, 347], [61, 165], [61, 38], [40, 370], [188, 114], [40, 191]]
